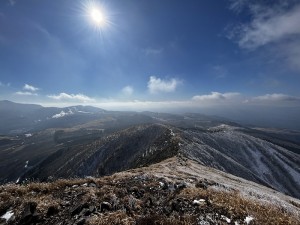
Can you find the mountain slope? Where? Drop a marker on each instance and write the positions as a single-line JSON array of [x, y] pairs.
[[130, 148], [224, 147], [175, 191], [16, 118], [230, 149]]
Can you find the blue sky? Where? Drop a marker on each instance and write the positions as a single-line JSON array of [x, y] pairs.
[[151, 54]]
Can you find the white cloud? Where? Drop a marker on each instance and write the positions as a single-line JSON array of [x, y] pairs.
[[216, 96], [25, 93], [28, 87], [156, 85], [276, 97], [128, 90], [270, 25], [71, 97], [274, 26]]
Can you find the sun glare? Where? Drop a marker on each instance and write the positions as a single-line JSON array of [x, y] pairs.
[[98, 17]]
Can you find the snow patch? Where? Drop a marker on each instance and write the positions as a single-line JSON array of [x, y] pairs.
[[226, 219], [85, 112], [199, 202], [172, 133], [248, 219], [161, 184], [8, 215], [28, 135], [26, 164]]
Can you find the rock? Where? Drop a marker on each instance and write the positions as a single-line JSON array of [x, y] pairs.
[[81, 221], [149, 202], [85, 212], [138, 193], [93, 185], [201, 184], [92, 209], [204, 184], [176, 205], [105, 206], [163, 185], [52, 210], [199, 202], [181, 185], [78, 208], [2, 221], [29, 215]]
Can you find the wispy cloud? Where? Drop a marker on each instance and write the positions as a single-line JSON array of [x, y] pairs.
[[220, 71], [273, 26], [4, 85], [269, 25], [216, 96], [12, 2], [238, 5], [28, 87], [71, 97], [153, 51], [156, 85], [26, 93], [128, 90]]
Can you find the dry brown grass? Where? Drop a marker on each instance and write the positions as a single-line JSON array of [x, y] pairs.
[[128, 208], [238, 206], [115, 218]]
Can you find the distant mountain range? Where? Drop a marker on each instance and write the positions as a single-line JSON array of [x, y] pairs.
[[79, 141]]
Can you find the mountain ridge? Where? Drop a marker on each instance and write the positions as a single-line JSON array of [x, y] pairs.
[[175, 191]]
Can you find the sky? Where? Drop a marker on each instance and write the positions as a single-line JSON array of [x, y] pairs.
[[152, 55]]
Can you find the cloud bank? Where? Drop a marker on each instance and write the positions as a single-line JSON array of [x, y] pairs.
[[276, 97], [216, 96]]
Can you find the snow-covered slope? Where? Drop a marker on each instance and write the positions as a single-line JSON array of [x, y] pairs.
[[230, 149]]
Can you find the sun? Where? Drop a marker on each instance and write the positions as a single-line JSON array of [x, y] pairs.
[[98, 17]]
